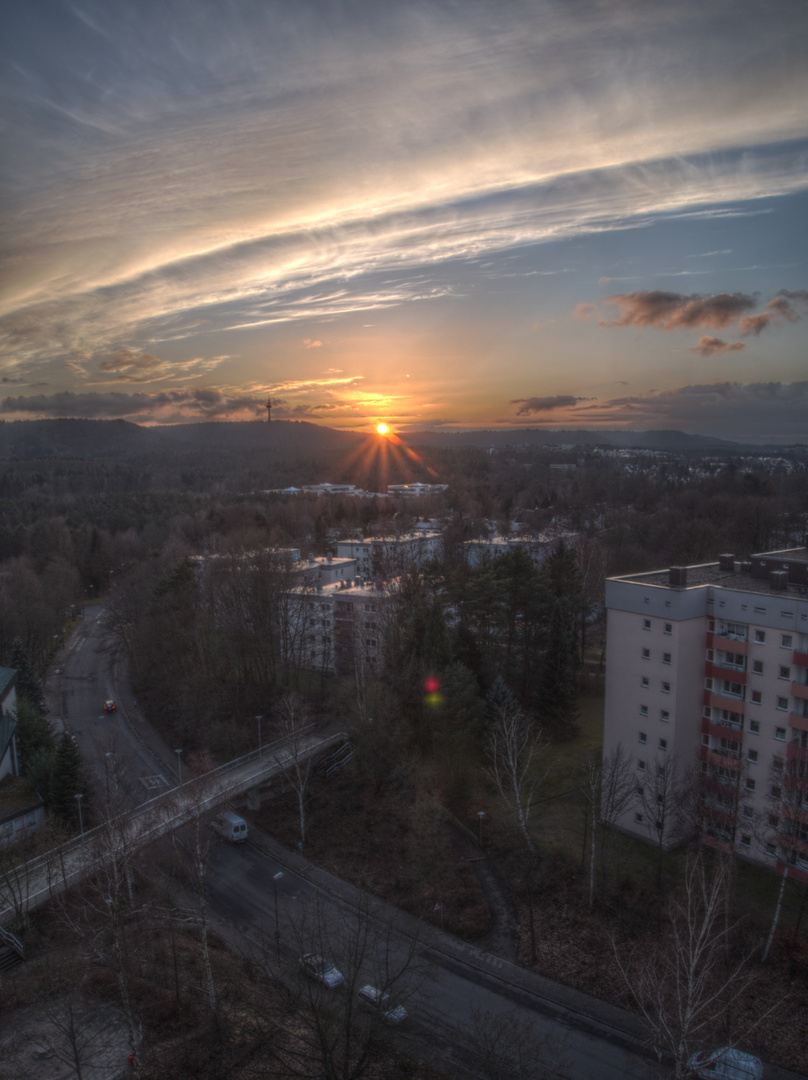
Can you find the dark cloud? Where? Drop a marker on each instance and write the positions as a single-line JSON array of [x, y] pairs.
[[707, 346], [169, 406], [752, 325], [674, 311], [544, 404], [129, 365]]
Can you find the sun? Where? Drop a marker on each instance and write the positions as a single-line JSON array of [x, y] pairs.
[[382, 429]]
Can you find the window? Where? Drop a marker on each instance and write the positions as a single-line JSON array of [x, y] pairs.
[[770, 849], [776, 791], [746, 840], [666, 658], [666, 688], [777, 762], [780, 733], [760, 635], [708, 684], [785, 641], [640, 792], [774, 821], [751, 755], [643, 737], [638, 819], [750, 784], [757, 667], [370, 643], [640, 765], [660, 772], [645, 681], [784, 672], [711, 625], [646, 654], [643, 710], [660, 800], [664, 715], [646, 624], [748, 811], [710, 655], [708, 712], [668, 628], [663, 744], [705, 740], [782, 704], [755, 696], [754, 727]]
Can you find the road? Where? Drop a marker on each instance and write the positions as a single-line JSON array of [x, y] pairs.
[[89, 672], [456, 979]]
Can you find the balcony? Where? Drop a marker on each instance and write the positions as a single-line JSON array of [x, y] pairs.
[[721, 641], [723, 730], [727, 759], [724, 701], [721, 671], [800, 658], [800, 723], [796, 753], [799, 690]]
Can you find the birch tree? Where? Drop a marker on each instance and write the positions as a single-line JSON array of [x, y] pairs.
[[515, 747]]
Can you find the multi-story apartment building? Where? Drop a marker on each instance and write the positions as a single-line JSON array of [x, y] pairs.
[[539, 547], [707, 693], [388, 557], [331, 620]]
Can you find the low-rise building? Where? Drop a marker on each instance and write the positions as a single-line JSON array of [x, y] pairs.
[[539, 548], [387, 557]]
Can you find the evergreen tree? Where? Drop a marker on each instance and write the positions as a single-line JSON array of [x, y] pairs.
[[500, 698], [34, 735], [557, 698], [29, 688], [67, 780], [463, 710], [436, 648]]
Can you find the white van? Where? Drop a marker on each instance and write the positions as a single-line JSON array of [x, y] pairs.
[[230, 827], [726, 1064]]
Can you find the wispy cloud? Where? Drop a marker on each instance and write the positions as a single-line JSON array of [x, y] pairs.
[[545, 404], [168, 406], [708, 346]]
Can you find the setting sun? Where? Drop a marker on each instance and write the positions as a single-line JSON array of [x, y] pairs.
[[382, 429]]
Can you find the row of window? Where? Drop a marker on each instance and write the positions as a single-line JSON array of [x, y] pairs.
[[643, 738], [666, 656], [646, 625], [645, 682], [740, 632], [664, 714]]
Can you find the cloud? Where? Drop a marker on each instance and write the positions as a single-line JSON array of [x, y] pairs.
[[132, 366], [544, 404], [754, 324], [673, 311], [779, 307], [309, 344], [169, 406], [708, 346]]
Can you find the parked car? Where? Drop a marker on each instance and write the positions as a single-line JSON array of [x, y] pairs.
[[317, 967], [726, 1064], [230, 827], [109, 706], [380, 1001]]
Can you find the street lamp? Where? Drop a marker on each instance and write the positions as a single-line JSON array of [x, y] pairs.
[[179, 762], [107, 756], [81, 823], [275, 879], [481, 815], [259, 719]]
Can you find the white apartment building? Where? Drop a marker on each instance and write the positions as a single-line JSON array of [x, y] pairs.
[[539, 548], [332, 618], [707, 691], [388, 557]]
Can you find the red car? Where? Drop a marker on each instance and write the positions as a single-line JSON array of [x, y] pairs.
[[109, 706]]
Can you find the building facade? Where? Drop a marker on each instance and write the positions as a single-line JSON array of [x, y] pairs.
[[388, 557], [707, 694]]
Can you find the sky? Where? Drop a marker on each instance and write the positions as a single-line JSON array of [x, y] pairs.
[[529, 213]]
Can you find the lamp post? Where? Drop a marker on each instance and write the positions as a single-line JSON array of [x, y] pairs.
[[107, 756], [481, 815], [179, 763], [81, 823], [259, 719], [275, 879]]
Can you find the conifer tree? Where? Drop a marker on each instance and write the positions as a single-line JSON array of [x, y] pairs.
[[67, 780]]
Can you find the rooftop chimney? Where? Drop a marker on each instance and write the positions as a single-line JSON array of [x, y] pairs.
[[726, 562], [779, 580], [677, 577]]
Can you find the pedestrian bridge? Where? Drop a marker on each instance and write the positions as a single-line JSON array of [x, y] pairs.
[[29, 885]]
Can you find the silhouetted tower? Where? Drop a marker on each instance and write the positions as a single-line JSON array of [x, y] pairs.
[[269, 410]]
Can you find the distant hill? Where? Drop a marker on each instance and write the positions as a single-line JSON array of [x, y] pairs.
[[30, 439], [516, 437]]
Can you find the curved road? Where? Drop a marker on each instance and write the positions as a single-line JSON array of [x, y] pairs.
[[455, 980]]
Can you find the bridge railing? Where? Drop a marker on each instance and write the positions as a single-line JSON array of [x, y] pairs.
[[93, 840]]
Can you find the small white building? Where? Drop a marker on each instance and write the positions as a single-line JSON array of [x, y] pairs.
[[539, 548], [387, 557]]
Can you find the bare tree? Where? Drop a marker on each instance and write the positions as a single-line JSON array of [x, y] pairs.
[[609, 787], [514, 748], [335, 1036], [293, 756], [660, 795], [505, 1047], [786, 828], [679, 978]]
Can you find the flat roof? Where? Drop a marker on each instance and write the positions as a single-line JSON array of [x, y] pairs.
[[712, 574]]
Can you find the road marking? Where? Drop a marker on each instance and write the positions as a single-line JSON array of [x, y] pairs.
[[152, 782]]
